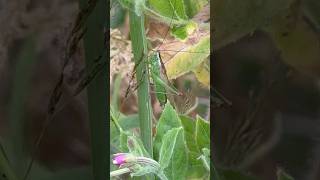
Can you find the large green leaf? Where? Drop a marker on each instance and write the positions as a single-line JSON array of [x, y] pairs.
[[194, 6], [178, 165], [189, 127], [195, 169], [169, 8], [169, 119], [205, 157], [202, 133], [168, 146]]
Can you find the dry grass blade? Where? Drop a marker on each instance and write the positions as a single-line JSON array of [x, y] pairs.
[[72, 44]]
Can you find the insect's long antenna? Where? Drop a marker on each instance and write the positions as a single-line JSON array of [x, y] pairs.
[[162, 65], [170, 50], [165, 36]]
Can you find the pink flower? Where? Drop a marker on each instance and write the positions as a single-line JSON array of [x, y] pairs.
[[120, 158]]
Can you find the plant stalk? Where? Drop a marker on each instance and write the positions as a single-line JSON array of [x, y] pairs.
[[21, 88], [139, 47], [5, 167], [97, 90]]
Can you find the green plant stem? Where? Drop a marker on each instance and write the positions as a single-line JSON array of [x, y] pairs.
[[5, 168], [119, 172], [97, 90], [115, 93], [115, 120], [139, 47], [21, 86]]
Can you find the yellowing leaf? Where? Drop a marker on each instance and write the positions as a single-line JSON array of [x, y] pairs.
[[203, 74], [188, 59]]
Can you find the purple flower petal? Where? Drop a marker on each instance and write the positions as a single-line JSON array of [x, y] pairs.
[[119, 158]]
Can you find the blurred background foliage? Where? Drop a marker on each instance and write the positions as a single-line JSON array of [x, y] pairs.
[[266, 62], [32, 45]]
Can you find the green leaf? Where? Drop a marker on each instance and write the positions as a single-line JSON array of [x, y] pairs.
[[144, 170], [205, 157], [167, 147], [123, 141], [178, 166], [169, 119], [194, 6], [189, 127], [196, 169], [234, 19], [283, 175], [127, 123], [182, 32], [202, 133], [136, 147], [169, 8]]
